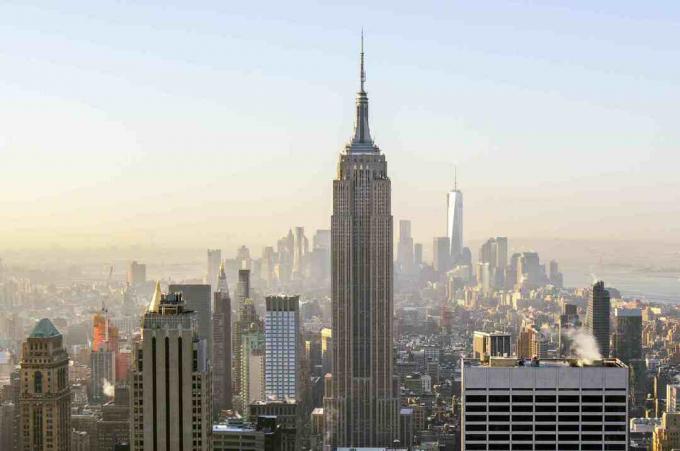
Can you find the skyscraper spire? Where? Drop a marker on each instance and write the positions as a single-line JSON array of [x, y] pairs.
[[455, 178], [361, 141], [363, 71]]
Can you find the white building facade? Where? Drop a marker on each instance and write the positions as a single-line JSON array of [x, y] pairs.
[[544, 405]]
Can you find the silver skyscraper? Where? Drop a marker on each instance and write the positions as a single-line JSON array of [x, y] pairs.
[[454, 222], [361, 402]]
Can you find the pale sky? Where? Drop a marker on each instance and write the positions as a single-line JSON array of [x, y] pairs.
[[212, 123]]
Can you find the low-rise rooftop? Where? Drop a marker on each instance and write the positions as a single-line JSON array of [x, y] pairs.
[[514, 362]]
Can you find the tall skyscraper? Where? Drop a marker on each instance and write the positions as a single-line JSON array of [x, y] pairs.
[[136, 274], [417, 255], [362, 404], [441, 259], [405, 247], [597, 317], [221, 359], [555, 276], [667, 435], [243, 286], [627, 337], [283, 348], [197, 297], [454, 221], [248, 324], [495, 252], [252, 366], [171, 392], [213, 267], [45, 394], [103, 370], [300, 250]]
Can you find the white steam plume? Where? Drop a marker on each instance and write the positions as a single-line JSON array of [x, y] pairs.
[[109, 389], [583, 346]]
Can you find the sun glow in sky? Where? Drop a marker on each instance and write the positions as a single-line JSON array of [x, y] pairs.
[[219, 123]]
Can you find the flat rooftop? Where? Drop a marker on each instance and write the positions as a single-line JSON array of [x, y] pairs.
[[514, 362]]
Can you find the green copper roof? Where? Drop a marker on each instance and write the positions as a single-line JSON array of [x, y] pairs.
[[44, 329]]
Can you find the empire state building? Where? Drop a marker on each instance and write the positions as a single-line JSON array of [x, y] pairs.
[[361, 401]]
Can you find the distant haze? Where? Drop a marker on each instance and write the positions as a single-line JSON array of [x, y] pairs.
[[199, 124]]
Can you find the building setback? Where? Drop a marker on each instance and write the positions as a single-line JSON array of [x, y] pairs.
[[171, 387], [361, 402], [45, 394]]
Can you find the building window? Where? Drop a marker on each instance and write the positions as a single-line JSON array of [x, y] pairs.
[[37, 382]]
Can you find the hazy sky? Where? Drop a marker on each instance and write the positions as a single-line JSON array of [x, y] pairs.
[[218, 123]]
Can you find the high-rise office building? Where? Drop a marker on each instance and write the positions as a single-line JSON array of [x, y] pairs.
[[322, 239], [8, 417], [246, 316], [326, 350], [171, 387], [454, 221], [484, 278], [544, 404], [531, 343], [495, 252], [494, 344], [530, 273], [672, 398], [213, 267], [362, 403], [417, 255], [283, 348], [569, 322], [267, 265], [321, 256], [242, 287], [45, 394], [667, 434], [103, 368], [300, 250], [243, 257], [136, 274], [555, 276], [405, 247], [441, 259], [222, 394], [198, 298], [597, 317], [627, 337], [252, 366]]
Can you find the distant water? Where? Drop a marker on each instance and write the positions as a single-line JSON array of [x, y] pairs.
[[650, 286]]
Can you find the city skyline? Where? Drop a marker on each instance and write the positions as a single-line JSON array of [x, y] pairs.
[[157, 154], [464, 111]]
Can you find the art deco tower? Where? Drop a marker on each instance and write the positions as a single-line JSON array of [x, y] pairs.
[[171, 386], [45, 396], [361, 403]]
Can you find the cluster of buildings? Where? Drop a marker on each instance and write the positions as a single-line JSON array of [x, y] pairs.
[[406, 354]]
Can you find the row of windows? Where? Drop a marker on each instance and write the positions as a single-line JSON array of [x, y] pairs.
[[546, 446], [546, 418], [545, 437], [545, 408], [545, 398], [545, 427]]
